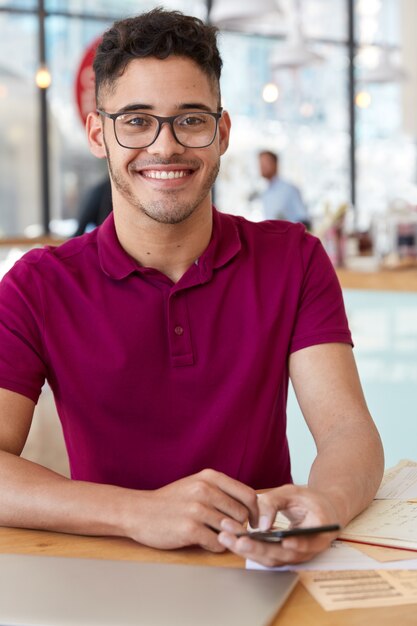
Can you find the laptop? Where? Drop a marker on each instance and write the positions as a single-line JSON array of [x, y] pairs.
[[56, 591]]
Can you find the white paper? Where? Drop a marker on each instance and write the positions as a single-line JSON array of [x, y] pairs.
[[402, 486], [340, 557], [385, 520]]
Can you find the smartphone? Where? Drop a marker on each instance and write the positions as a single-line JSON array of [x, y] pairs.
[[276, 536]]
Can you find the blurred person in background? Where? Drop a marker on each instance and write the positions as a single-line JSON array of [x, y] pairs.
[[281, 200], [95, 206]]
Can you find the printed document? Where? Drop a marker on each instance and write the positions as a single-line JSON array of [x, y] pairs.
[[391, 523], [356, 590], [402, 485]]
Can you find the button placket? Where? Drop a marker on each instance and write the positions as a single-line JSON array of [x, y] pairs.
[[179, 330]]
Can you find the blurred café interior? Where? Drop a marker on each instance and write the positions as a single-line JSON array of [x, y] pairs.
[[329, 85]]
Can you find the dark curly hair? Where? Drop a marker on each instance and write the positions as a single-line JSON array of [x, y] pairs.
[[157, 33]]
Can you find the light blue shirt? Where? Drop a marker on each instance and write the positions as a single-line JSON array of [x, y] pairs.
[[283, 201]]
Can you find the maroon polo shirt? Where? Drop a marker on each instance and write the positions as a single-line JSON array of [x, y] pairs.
[[153, 380]]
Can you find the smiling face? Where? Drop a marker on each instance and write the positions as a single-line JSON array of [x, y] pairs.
[[166, 181]]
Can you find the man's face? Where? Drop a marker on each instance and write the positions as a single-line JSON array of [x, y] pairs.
[[165, 181], [267, 166]]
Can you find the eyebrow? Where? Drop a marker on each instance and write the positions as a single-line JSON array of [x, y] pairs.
[[185, 106]]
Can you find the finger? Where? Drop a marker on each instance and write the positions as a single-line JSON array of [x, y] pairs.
[[232, 527], [306, 544], [263, 553], [269, 556], [280, 498], [300, 505], [208, 540], [230, 508], [208, 516], [295, 544], [237, 493], [214, 499], [267, 513]]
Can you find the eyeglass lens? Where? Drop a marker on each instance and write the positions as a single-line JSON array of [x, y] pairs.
[[137, 130]]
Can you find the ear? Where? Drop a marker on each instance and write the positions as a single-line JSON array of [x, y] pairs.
[[94, 129], [224, 131]]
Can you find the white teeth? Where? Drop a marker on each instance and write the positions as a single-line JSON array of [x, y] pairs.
[[163, 174]]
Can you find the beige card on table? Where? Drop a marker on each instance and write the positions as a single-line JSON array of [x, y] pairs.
[[361, 589]]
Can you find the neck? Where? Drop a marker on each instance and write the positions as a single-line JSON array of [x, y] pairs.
[[168, 248]]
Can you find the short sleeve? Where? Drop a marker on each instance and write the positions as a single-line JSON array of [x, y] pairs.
[[22, 359], [321, 315]]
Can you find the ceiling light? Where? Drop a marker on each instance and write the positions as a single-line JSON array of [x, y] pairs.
[[368, 7], [293, 55], [295, 52], [43, 77], [263, 16], [363, 99], [384, 72], [270, 93], [368, 57]]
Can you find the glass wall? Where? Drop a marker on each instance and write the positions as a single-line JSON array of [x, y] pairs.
[[306, 120], [386, 155], [310, 108], [19, 115], [72, 167], [70, 28]]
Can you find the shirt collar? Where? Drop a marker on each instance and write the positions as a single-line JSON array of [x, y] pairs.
[[225, 241], [118, 264], [114, 260]]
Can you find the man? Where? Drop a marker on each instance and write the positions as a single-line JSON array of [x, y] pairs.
[[281, 200], [167, 335]]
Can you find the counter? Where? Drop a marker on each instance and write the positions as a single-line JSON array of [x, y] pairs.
[[382, 280]]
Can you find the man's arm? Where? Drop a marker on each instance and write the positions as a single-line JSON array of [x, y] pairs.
[[183, 513], [348, 467]]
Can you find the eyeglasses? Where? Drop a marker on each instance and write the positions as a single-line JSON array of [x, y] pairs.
[[139, 130]]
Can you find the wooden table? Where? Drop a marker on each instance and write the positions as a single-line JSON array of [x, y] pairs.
[[30, 242], [300, 609], [382, 280]]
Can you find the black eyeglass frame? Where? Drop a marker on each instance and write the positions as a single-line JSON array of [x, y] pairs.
[[162, 120]]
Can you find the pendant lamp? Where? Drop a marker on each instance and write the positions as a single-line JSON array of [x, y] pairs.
[[386, 71], [262, 16], [295, 52]]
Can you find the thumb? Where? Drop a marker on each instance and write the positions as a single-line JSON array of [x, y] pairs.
[[267, 512]]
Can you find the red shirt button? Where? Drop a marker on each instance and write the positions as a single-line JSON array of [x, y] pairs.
[[178, 330]]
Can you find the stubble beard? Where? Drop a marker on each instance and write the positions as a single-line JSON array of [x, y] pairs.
[[167, 210]]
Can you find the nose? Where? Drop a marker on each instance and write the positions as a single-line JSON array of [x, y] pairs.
[[165, 144]]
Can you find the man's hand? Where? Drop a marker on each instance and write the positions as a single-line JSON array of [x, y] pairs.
[[303, 506], [190, 511]]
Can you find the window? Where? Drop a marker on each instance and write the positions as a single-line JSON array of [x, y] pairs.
[[19, 123]]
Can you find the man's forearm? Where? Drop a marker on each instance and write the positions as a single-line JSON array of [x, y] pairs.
[[348, 469], [32, 496], [186, 512]]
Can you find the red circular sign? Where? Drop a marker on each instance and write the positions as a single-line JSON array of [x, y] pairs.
[[85, 82]]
